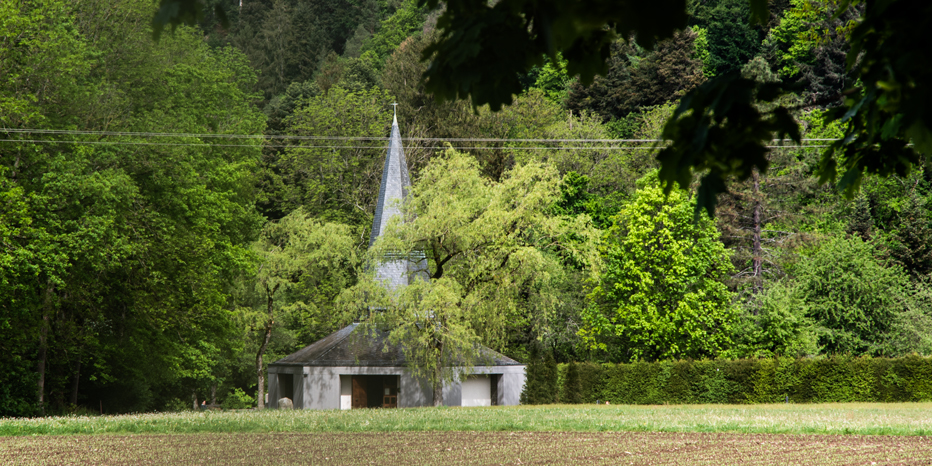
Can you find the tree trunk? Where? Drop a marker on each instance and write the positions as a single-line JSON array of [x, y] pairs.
[[44, 346], [74, 384], [438, 376], [265, 343], [43, 356], [213, 394], [194, 399], [756, 248]]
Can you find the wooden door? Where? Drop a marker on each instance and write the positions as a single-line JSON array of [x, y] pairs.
[[360, 399]]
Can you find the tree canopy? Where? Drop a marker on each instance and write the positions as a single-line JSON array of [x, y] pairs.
[[493, 254], [662, 294]]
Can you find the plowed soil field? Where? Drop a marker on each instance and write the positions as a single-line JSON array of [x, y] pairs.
[[468, 448]]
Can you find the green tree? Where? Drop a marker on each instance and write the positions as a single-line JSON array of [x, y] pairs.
[[851, 295], [662, 293], [540, 386], [776, 323], [637, 78], [486, 49], [393, 30], [300, 255], [492, 253], [732, 41], [130, 243]]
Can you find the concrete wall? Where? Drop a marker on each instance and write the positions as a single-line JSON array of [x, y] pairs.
[[318, 387]]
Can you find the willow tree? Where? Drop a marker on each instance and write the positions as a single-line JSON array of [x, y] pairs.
[[295, 252], [492, 252]]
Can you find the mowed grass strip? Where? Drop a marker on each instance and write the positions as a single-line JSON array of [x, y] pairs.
[[841, 418], [467, 448]]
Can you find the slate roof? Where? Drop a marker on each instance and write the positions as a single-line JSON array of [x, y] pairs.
[[394, 186], [346, 348], [392, 191]]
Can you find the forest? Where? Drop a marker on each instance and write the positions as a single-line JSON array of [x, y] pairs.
[[177, 213]]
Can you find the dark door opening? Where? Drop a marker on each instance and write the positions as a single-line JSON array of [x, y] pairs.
[[494, 380], [286, 386], [375, 391]]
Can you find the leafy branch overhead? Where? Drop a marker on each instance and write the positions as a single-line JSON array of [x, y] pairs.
[[718, 131], [485, 47]]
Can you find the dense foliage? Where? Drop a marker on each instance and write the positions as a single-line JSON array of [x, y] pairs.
[[777, 380], [149, 262]]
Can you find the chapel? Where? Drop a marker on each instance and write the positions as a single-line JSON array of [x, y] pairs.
[[352, 369]]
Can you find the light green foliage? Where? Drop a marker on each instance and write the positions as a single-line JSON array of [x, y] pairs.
[[407, 19], [308, 261], [238, 399], [661, 294], [553, 80], [794, 37], [302, 265], [42, 59], [493, 254], [612, 174], [776, 324], [911, 329], [702, 51]]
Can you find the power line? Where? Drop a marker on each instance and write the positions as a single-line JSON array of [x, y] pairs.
[[335, 147], [334, 138]]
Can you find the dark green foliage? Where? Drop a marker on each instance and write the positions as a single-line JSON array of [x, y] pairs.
[[177, 12], [17, 386], [851, 295], [571, 389], [485, 48], [890, 49], [777, 380], [718, 131], [827, 76], [732, 40], [860, 221], [540, 386], [574, 194], [636, 78], [911, 243]]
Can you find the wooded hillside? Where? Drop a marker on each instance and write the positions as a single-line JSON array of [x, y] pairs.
[[175, 214]]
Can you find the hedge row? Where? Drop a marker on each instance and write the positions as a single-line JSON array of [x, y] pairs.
[[830, 379]]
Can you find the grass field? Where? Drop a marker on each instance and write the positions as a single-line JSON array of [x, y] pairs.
[[843, 418], [857, 433]]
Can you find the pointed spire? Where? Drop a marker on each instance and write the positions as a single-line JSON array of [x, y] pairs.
[[395, 183], [394, 187]]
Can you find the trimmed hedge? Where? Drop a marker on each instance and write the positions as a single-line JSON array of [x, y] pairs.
[[819, 380]]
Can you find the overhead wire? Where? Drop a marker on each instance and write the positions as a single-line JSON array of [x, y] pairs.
[[147, 134], [336, 147]]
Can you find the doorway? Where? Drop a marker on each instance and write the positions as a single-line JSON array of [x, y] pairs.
[[286, 386], [375, 391]]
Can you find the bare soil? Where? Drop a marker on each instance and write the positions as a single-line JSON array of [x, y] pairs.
[[472, 448]]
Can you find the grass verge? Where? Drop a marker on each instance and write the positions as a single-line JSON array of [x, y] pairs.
[[842, 418]]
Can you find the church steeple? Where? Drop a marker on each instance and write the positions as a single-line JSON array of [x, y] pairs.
[[394, 187]]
